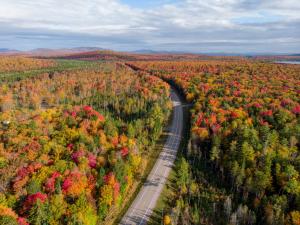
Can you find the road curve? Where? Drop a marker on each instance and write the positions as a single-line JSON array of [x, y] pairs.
[[143, 205]]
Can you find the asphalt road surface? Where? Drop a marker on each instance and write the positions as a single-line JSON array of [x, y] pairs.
[[143, 205]]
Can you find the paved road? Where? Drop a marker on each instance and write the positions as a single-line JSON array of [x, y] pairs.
[[143, 205]]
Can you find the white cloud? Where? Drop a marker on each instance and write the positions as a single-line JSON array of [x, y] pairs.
[[191, 20]]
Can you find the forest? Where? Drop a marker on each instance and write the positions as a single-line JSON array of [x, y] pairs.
[[242, 163], [74, 138], [77, 132]]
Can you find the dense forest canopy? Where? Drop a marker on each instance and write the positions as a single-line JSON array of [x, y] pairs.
[[73, 142], [246, 130], [75, 137]]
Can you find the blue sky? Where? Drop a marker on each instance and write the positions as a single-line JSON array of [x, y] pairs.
[[233, 26]]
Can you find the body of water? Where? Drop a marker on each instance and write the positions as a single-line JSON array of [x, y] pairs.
[[288, 62]]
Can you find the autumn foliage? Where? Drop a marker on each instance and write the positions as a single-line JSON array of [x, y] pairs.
[[246, 126], [71, 144], [14, 64]]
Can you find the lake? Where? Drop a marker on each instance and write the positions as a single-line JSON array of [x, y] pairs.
[[288, 62]]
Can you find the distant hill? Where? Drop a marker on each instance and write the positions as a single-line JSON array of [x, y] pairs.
[[96, 53], [133, 56], [87, 49], [144, 51], [62, 51], [47, 52], [5, 51], [149, 51]]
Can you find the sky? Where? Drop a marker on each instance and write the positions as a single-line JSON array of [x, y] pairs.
[[199, 26]]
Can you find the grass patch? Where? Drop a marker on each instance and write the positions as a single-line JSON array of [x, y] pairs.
[[61, 65]]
